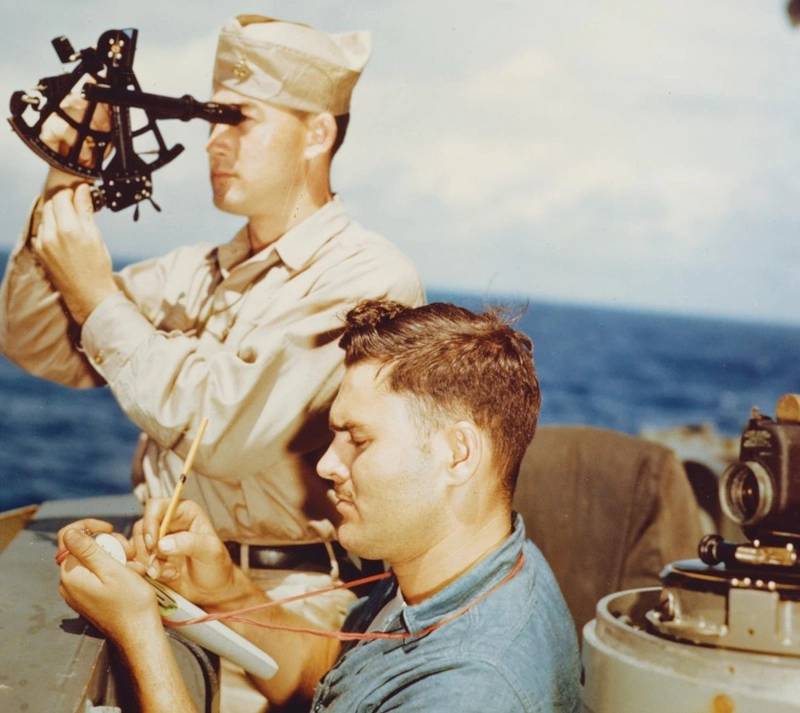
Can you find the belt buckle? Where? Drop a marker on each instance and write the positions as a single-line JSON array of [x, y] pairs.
[[244, 558]]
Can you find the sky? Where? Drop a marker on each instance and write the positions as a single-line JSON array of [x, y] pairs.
[[620, 153]]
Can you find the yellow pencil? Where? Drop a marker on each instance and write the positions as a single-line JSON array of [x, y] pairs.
[[176, 495]]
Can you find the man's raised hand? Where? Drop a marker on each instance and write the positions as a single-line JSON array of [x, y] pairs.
[[191, 558], [69, 246], [59, 136]]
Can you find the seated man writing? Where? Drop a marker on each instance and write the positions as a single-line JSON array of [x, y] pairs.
[[436, 409]]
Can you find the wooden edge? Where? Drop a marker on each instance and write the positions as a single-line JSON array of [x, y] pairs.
[[788, 408], [12, 521]]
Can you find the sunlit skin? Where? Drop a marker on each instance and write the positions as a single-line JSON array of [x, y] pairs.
[[423, 499], [383, 471], [273, 168]]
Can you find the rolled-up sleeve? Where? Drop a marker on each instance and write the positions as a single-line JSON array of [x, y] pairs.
[[36, 331]]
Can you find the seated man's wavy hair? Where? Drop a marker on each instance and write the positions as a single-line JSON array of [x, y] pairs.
[[458, 364]]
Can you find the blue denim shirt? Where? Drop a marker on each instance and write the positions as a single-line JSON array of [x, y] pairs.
[[514, 651]]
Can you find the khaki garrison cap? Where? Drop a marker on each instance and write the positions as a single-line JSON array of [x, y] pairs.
[[289, 64]]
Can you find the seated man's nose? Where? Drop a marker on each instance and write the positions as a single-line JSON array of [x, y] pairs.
[[331, 467]]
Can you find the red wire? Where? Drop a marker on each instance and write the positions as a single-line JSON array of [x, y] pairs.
[[235, 616]]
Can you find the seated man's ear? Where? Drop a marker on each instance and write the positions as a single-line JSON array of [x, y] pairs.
[[466, 451], [320, 134]]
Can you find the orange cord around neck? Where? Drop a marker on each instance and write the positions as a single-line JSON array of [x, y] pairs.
[[236, 615]]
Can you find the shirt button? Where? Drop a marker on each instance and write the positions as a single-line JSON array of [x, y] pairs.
[[98, 358], [241, 515], [248, 355]]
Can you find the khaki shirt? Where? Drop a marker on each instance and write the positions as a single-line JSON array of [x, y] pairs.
[[248, 341]]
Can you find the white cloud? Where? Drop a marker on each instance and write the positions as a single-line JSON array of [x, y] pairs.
[[633, 144], [621, 152]]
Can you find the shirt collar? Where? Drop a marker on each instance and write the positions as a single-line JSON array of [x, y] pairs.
[[234, 252], [298, 245], [295, 247], [484, 575]]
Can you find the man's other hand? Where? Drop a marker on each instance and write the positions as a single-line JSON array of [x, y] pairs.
[[92, 526], [190, 558], [109, 594], [69, 246], [60, 136]]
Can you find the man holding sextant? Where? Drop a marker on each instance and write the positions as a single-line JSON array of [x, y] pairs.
[[435, 411], [243, 333]]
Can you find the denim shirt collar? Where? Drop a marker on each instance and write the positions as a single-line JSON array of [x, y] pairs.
[[483, 576]]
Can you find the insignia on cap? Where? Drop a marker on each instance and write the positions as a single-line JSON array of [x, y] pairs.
[[289, 64]]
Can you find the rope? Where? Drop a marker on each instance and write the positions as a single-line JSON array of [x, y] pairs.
[[237, 614]]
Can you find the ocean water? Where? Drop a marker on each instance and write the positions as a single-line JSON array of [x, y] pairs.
[[616, 369]]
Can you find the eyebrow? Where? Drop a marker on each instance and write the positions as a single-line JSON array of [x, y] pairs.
[[242, 105], [345, 426]]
